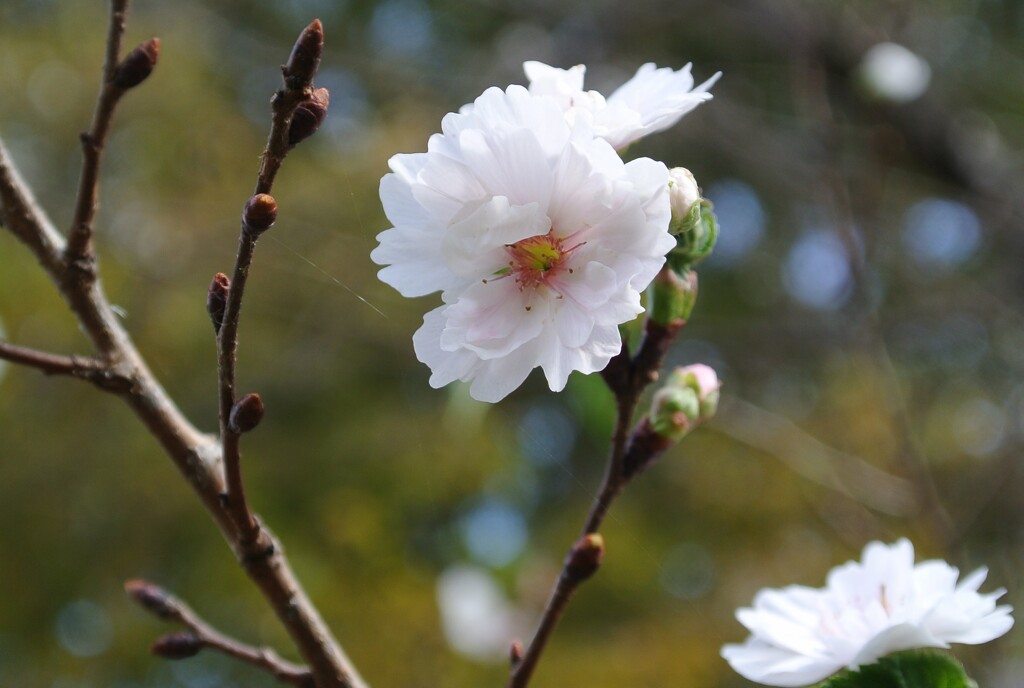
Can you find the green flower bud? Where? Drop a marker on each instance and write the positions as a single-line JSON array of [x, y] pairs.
[[671, 296], [674, 410], [695, 236], [689, 396]]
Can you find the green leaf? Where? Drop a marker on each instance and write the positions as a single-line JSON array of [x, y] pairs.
[[917, 669]]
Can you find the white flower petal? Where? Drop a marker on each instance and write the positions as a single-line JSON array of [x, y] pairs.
[[868, 609], [759, 661], [653, 100], [475, 246]]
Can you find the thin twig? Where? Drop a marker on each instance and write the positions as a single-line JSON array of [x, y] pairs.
[[227, 345], [79, 249], [51, 364], [626, 377], [170, 608]]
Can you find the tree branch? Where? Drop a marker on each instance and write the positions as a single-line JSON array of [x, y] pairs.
[[22, 216], [198, 456], [155, 599]]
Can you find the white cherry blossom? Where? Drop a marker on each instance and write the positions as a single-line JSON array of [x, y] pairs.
[[867, 609], [538, 236], [652, 101]]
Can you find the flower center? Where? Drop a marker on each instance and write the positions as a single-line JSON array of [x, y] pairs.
[[536, 260]]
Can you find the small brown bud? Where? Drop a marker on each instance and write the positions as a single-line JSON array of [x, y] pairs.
[[246, 414], [515, 652], [585, 557], [151, 597], [259, 213], [217, 299], [308, 116], [305, 57], [137, 65], [180, 645]]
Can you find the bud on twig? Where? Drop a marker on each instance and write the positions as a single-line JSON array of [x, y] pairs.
[[259, 213], [683, 192], [688, 398], [515, 653], [673, 296], [151, 597], [305, 57], [180, 645], [137, 65], [695, 229], [217, 299], [308, 116], [584, 558], [246, 414]]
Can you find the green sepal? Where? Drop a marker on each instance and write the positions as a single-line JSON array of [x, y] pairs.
[[695, 237], [915, 669]]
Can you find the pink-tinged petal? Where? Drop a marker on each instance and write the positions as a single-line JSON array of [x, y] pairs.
[[492, 320]]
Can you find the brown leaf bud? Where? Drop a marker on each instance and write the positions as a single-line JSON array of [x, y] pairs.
[[308, 116], [137, 65], [151, 597], [305, 57], [584, 558], [515, 652], [246, 414], [217, 299], [259, 213], [181, 645]]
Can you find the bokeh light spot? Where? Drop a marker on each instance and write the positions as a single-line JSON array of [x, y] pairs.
[[83, 628], [940, 233], [494, 533], [741, 218], [816, 271]]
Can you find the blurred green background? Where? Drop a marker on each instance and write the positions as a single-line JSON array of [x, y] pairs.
[[865, 309]]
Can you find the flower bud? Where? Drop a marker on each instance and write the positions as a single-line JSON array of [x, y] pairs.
[[259, 213], [674, 410], [217, 299], [672, 296], [246, 414], [137, 65], [305, 57], [515, 652], [180, 645], [584, 558], [695, 235], [308, 116], [151, 597], [682, 192]]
